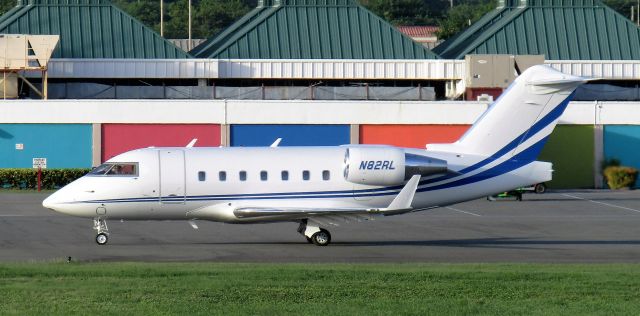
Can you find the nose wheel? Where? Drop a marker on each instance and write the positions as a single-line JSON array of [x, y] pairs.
[[100, 226]]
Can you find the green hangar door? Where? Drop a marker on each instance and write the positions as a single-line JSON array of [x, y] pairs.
[[172, 176]]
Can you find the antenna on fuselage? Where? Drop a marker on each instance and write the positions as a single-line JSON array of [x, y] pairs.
[[276, 143], [191, 143]]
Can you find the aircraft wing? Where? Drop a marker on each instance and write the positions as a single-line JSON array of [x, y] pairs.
[[319, 215], [400, 204]]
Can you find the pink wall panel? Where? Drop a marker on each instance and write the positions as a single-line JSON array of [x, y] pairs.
[[119, 138]]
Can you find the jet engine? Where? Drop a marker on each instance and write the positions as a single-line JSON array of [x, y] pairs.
[[387, 165]]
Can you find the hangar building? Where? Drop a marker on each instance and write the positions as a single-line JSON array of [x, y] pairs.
[[251, 84]]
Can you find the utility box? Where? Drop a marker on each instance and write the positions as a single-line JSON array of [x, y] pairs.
[[10, 83], [523, 62], [489, 71], [497, 71], [20, 52], [490, 74]]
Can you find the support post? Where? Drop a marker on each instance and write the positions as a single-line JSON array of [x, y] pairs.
[[45, 83], [189, 43], [354, 134], [39, 179], [96, 153], [598, 148], [161, 18], [225, 135], [366, 86]]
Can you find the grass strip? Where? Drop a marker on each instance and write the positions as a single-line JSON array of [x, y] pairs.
[[317, 289]]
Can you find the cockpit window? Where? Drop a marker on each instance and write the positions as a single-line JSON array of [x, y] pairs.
[[116, 169]]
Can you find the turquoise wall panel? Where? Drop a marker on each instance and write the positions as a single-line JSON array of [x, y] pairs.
[[622, 142], [64, 145]]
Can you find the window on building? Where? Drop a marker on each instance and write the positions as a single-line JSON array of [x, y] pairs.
[[222, 176], [202, 175], [306, 175], [243, 175], [285, 175], [326, 175], [264, 176]]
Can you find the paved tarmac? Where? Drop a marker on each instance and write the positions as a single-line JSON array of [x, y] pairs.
[[576, 227]]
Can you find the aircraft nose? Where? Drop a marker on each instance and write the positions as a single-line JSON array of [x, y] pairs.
[[50, 202]]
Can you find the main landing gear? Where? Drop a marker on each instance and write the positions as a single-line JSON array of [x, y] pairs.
[[100, 226], [314, 234]]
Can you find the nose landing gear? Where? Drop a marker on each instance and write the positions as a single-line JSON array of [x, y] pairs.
[[100, 226], [314, 234]]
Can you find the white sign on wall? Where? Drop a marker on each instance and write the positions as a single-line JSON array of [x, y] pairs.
[[40, 162], [19, 146]]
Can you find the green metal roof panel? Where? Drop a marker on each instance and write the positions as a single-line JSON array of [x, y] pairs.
[[558, 29], [311, 29], [88, 29]]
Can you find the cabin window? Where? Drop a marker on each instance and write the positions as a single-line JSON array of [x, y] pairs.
[[243, 175], [285, 175], [264, 176], [222, 176], [326, 175], [306, 175], [116, 169], [202, 175]]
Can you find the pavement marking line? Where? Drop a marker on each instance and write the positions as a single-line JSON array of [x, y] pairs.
[[602, 203], [14, 215], [461, 211]]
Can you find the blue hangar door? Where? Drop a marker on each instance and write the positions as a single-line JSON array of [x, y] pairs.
[[172, 176]]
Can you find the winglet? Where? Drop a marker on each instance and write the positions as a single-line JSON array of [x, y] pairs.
[[191, 143], [405, 197], [276, 143]]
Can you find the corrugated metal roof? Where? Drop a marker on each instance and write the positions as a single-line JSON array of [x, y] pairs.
[[311, 29], [558, 29], [88, 29]]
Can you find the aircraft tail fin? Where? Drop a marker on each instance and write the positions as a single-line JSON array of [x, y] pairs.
[[522, 118]]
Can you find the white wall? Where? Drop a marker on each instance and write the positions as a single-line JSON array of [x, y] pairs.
[[287, 112]]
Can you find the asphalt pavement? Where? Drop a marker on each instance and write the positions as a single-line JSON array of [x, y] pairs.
[[557, 227]]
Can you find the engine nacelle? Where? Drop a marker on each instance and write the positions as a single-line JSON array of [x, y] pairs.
[[387, 165]]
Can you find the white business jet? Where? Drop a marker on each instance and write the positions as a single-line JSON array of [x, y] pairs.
[[317, 187]]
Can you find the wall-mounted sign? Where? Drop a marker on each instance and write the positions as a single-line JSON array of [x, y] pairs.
[[40, 162], [19, 146]]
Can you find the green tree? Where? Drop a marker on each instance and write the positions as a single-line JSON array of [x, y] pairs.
[[176, 22], [147, 11], [6, 5], [462, 16], [213, 16], [622, 6], [407, 12]]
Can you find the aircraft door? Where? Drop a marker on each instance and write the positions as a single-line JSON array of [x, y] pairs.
[[172, 176]]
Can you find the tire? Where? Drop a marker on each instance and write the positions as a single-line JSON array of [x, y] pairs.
[[102, 239], [540, 188], [321, 238]]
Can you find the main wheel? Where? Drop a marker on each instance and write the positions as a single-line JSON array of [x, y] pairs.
[[540, 188], [102, 239], [321, 238]]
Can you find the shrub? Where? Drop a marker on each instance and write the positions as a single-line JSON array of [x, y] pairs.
[[619, 177], [28, 178]]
